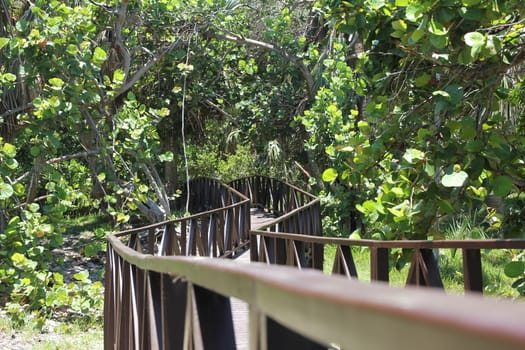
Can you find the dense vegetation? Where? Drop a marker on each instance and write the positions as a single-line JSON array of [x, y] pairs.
[[405, 116]]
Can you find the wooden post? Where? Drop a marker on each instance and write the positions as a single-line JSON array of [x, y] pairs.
[[472, 274], [379, 264]]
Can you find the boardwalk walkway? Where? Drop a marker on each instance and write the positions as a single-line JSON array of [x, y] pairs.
[[259, 218], [147, 305]]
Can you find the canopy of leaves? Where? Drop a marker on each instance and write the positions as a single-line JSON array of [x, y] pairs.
[[422, 112]]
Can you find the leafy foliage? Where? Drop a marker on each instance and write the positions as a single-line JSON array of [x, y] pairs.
[[411, 113], [419, 118]]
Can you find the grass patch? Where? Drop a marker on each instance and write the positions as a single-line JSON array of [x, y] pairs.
[[54, 336], [495, 282]]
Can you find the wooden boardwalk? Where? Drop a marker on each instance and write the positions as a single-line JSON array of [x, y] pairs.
[[259, 218]]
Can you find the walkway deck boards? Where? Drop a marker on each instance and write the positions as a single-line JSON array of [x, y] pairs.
[[240, 315]]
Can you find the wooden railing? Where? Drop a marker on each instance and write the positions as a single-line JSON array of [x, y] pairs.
[[424, 267], [296, 211], [159, 295], [159, 302], [275, 196], [219, 229], [207, 194]]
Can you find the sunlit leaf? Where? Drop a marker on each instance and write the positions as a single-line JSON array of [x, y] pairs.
[[399, 25], [9, 150], [454, 179], [81, 276], [415, 11], [329, 175], [437, 28], [470, 2], [3, 42], [166, 157], [99, 56], [6, 191], [474, 39], [56, 83], [413, 155]]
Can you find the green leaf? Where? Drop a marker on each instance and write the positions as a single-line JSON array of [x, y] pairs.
[[446, 207], [399, 25], [81, 276], [329, 175], [413, 155], [9, 150], [35, 151], [121, 217], [519, 284], [441, 93], [415, 11], [514, 269], [416, 36], [119, 76], [364, 127], [11, 163], [423, 80], [3, 42], [474, 39], [438, 41], [471, 14], [99, 56], [454, 179], [166, 157], [72, 49], [355, 235], [377, 4], [56, 83], [46, 228], [437, 28], [470, 2], [6, 191], [18, 259], [397, 212], [9, 77], [474, 146], [33, 207], [502, 186]]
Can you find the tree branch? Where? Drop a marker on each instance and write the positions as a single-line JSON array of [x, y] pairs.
[[16, 110], [270, 47], [221, 111], [138, 74], [57, 160], [119, 44], [106, 8]]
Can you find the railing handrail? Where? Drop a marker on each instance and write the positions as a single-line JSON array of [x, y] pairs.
[[175, 221], [288, 215], [351, 314], [308, 194], [392, 244]]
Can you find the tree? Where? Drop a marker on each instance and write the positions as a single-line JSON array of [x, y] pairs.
[[442, 128]]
